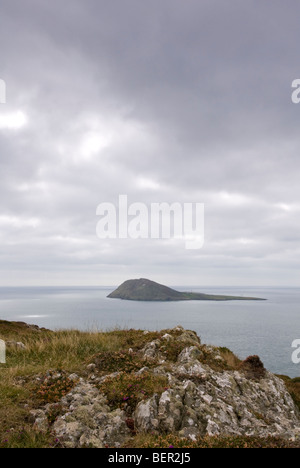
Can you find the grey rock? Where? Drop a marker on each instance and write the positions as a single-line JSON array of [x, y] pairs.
[[218, 403], [199, 401], [167, 337], [190, 354], [152, 350], [146, 415], [189, 337], [40, 420], [88, 421]]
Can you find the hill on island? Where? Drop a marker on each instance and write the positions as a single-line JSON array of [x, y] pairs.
[[146, 290]]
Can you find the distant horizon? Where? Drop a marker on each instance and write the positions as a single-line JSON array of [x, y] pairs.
[[165, 284]]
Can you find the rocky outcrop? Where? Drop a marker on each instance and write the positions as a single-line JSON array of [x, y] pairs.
[[203, 397], [202, 402], [88, 421], [85, 419]]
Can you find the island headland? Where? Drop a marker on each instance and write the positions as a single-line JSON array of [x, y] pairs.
[[147, 290]]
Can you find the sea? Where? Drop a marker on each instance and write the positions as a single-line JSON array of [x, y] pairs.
[[265, 328]]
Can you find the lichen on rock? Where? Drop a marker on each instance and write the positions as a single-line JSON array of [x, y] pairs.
[[203, 397]]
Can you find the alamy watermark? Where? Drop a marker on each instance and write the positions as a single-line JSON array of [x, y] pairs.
[[2, 352], [296, 353], [178, 221], [2, 92], [296, 92]]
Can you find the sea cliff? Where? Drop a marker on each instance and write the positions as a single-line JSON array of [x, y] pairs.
[[139, 388]]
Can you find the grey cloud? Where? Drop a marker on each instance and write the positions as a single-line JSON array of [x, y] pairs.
[[191, 99]]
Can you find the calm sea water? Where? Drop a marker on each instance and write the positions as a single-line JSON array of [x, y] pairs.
[[265, 328]]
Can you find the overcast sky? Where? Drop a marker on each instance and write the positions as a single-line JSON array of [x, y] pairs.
[[164, 101]]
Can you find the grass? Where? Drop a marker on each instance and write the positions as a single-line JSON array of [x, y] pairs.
[[174, 442], [19, 392], [27, 438], [230, 359], [29, 380], [45, 351]]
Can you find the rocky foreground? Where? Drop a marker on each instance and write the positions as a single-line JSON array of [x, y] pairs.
[[199, 395]]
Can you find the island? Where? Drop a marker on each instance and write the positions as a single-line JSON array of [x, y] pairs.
[[147, 290]]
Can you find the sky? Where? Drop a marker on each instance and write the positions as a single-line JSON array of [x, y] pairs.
[[186, 102]]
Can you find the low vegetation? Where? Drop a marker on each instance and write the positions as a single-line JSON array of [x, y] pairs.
[[253, 367], [173, 442], [53, 387], [37, 374], [126, 390]]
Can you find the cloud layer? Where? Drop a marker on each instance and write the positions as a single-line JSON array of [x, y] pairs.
[[163, 101]]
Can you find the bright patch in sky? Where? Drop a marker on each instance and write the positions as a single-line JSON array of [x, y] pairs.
[[13, 121], [18, 222], [93, 143], [234, 199], [145, 184], [287, 207]]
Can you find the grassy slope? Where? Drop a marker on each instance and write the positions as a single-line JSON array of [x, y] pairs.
[[72, 351]]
